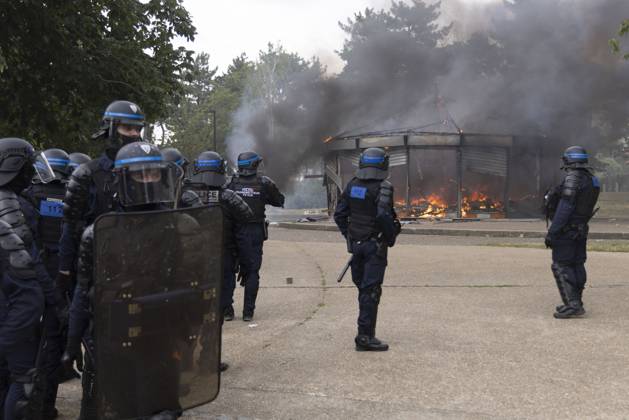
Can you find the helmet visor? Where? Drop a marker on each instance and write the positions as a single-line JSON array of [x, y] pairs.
[[43, 170], [148, 184]]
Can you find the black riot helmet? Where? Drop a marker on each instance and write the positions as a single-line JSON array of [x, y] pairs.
[[143, 177], [19, 163], [248, 163], [59, 161], [171, 154], [77, 159], [575, 157], [209, 169], [120, 113], [373, 164]]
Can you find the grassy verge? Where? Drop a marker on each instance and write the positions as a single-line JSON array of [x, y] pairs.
[[593, 246]]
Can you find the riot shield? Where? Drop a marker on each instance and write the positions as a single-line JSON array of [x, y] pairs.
[[157, 283]]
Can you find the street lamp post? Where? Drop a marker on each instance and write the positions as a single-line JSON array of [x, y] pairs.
[[213, 112]]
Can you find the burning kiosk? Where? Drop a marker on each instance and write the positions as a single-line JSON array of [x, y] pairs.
[[451, 174]]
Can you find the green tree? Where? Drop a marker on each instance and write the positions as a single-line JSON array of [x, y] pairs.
[[61, 63], [615, 43]]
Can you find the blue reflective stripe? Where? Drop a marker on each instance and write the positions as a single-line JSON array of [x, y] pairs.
[[123, 115], [138, 159], [213, 163], [58, 162], [595, 182], [248, 161], [73, 164], [358, 192], [368, 159], [180, 162], [576, 155]]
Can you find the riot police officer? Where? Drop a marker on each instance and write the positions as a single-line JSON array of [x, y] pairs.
[[571, 206], [45, 213], [90, 189], [26, 288], [172, 154], [367, 220], [208, 181], [257, 191], [77, 159], [48, 200], [144, 183]]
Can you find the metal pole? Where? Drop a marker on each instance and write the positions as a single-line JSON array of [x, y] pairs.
[[459, 178], [213, 112]]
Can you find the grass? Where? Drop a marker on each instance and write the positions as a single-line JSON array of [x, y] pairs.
[[593, 246]]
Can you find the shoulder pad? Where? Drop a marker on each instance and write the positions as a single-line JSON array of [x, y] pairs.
[[20, 262], [570, 185], [11, 213], [77, 193], [266, 180], [385, 195], [8, 202]]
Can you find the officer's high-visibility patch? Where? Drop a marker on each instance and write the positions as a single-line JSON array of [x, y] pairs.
[[358, 192], [51, 208]]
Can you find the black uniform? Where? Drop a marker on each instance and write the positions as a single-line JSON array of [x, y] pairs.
[[237, 213], [129, 193], [575, 200], [366, 218], [257, 191], [27, 292]]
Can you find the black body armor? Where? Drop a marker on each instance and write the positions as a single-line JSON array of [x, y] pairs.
[[257, 191]]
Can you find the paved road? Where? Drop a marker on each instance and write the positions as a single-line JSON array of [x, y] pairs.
[[470, 328]]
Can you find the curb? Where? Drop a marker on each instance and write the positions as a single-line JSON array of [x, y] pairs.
[[457, 232]]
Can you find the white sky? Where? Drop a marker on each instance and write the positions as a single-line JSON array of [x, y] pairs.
[[226, 28]]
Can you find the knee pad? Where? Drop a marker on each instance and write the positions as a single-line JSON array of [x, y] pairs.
[[374, 293]]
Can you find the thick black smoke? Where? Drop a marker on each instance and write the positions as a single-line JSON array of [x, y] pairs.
[[534, 67]]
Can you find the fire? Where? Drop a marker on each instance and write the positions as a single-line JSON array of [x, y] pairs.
[[431, 206], [479, 202], [434, 206]]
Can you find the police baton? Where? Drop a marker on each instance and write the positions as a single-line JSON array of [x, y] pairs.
[[349, 263]]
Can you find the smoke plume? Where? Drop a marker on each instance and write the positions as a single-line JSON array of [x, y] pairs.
[[533, 67]]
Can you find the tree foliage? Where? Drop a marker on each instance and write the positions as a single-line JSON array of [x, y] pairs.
[[615, 43], [61, 63]]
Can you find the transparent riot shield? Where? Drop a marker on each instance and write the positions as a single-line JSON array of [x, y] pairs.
[[157, 283]]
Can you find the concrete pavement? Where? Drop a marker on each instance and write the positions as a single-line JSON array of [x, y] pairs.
[[470, 328]]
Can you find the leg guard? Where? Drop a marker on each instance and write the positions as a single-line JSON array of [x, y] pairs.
[[368, 300], [565, 278], [581, 279], [30, 405]]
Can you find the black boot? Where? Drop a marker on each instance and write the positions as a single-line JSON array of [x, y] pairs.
[[366, 343], [223, 366], [247, 316], [228, 313], [573, 310]]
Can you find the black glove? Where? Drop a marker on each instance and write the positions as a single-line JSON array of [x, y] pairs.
[[71, 354], [548, 241], [398, 226]]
